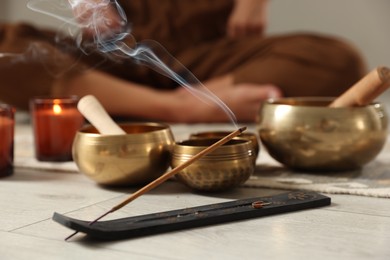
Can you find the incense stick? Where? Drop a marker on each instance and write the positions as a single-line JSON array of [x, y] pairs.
[[167, 175]]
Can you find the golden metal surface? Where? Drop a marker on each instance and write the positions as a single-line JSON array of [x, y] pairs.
[[140, 156], [305, 134], [228, 166], [219, 134]]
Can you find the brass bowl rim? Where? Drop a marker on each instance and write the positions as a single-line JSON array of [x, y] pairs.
[[251, 136], [156, 133], [233, 142], [87, 129], [239, 147], [289, 101], [218, 133]]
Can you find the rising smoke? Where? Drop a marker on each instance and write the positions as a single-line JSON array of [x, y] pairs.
[[103, 25]]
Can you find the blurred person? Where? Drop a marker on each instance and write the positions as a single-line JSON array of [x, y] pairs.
[[223, 43]]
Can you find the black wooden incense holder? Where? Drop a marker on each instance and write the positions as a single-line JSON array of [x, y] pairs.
[[195, 217]]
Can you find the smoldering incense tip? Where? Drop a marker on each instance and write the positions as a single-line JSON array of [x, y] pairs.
[[242, 129]]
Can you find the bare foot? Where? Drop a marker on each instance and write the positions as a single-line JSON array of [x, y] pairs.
[[243, 99]]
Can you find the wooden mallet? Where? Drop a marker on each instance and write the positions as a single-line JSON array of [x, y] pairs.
[[365, 90]]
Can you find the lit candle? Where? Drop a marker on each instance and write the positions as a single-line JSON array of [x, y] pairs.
[[7, 124], [55, 124]]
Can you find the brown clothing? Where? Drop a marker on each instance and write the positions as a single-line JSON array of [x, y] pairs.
[[193, 31]]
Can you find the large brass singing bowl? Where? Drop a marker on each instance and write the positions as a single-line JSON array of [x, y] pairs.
[[138, 157], [306, 134], [227, 167]]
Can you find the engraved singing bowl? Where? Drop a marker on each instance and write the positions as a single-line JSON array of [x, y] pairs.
[[226, 167], [306, 134], [138, 157], [220, 134]]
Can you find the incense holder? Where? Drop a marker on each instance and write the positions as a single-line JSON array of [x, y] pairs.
[[212, 214], [227, 167], [306, 134], [137, 157]]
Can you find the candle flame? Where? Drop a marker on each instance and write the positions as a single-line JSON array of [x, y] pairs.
[[57, 109]]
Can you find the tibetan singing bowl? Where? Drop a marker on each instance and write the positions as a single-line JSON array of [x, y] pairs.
[[220, 134], [306, 134], [138, 157], [228, 166]]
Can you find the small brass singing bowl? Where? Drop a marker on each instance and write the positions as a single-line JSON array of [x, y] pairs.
[[138, 157], [220, 134], [226, 167], [306, 134]]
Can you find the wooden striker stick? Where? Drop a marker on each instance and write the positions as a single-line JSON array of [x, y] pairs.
[[365, 90], [168, 175], [92, 110]]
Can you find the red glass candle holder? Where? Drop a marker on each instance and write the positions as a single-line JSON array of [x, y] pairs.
[[55, 124], [7, 126]]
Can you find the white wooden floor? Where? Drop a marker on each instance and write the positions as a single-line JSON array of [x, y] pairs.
[[353, 227]]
